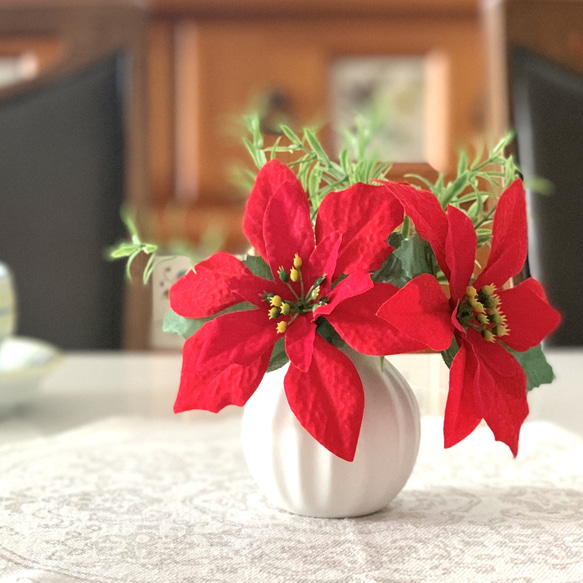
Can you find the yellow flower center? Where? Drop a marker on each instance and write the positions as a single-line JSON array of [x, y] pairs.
[[303, 301], [480, 310]]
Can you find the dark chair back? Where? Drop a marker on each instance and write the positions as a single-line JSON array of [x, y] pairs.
[[68, 160], [541, 54]]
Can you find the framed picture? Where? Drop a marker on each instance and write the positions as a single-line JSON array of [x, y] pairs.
[[391, 90]]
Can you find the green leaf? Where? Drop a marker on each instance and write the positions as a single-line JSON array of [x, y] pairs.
[[416, 257], [278, 356], [185, 327], [540, 185], [290, 134], [257, 155], [316, 146], [462, 163], [391, 271], [123, 250], [449, 354], [314, 182], [328, 333], [258, 266], [538, 370]]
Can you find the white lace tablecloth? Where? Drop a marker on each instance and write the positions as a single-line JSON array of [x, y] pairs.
[[163, 501]]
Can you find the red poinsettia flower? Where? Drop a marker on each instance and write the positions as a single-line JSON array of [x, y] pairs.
[[317, 272], [486, 381]]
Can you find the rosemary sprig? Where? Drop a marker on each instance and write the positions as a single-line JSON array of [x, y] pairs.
[[318, 173], [131, 249], [477, 185]]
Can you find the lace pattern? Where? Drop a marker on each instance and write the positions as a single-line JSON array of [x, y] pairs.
[[151, 501]]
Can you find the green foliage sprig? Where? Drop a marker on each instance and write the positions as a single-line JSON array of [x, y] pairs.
[[212, 240], [133, 248], [477, 185], [478, 182], [318, 173], [475, 188]]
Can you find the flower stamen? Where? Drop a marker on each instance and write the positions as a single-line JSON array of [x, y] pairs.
[[480, 310], [304, 303]]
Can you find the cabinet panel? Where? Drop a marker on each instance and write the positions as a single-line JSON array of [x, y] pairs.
[[161, 110], [233, 65]]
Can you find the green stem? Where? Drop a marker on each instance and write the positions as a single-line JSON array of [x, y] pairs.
[[406, 227], [485, 218]]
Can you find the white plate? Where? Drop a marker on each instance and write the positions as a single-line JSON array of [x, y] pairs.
[[24, 362]]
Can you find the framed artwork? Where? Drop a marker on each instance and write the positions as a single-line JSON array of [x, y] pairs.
[[390, 90]]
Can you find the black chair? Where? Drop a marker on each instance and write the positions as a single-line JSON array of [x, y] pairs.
[[69, 158], [542, 55]]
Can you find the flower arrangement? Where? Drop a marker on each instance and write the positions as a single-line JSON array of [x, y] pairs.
[[344, 257]]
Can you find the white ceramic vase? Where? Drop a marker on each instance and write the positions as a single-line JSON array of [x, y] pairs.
[[298, 474]]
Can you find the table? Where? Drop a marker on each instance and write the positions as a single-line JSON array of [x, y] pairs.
[[99, 482]]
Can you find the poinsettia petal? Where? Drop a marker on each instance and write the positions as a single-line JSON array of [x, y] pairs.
[[328, 400], [203, 291], [430, 220], [252, 288], [299, 342], [456, 324], [213, 389], [510, 408], [504, 381], [460, 251], [421, 311], [366, 214], [530, 318], [486, 382], [269, 178], [238, 337], [287, 228], [324, 258], [357, 282], [357, 323], [461, 417], [509, 238]]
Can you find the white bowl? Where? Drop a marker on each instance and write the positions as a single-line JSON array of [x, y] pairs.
[[24, 362]]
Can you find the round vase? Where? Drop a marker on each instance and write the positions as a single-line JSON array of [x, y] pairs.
[[299, 475]]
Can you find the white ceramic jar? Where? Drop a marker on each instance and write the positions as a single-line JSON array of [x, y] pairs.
[[298, 474]]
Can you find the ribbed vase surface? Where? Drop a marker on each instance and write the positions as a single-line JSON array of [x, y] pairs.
[[298, 474]]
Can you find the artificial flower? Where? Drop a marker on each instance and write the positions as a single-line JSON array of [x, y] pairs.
[[484, 315], [319, 274]]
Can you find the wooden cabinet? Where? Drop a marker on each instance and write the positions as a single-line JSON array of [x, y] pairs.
[[212, 60], [209, 61]]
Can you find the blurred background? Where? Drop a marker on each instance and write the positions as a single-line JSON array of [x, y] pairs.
[[110, 102]]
